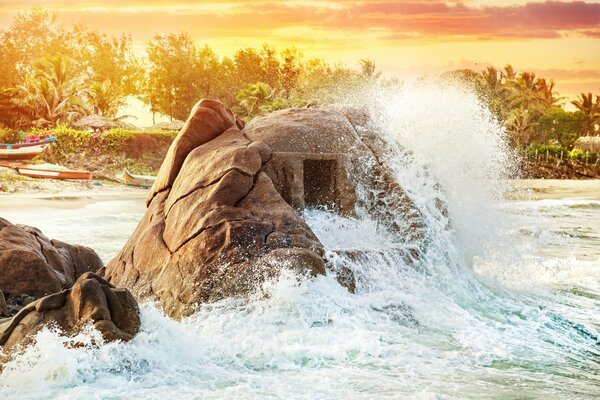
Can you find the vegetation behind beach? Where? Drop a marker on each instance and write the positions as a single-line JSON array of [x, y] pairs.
[[52, 75]]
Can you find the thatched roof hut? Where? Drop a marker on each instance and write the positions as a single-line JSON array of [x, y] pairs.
[[175, 125], [588, 143], [95, 123], [127, 125], [98, 123]]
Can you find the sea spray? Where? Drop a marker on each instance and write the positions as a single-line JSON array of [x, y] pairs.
[[432, 327]]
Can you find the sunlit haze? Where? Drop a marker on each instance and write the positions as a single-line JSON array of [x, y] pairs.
[[555, 39]]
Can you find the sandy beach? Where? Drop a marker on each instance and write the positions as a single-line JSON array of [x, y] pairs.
[[547, 189], [19, 192], [26, 192]]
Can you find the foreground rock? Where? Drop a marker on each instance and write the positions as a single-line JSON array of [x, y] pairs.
[[47, 283], [225, 211], [33, 266], [91, 300]]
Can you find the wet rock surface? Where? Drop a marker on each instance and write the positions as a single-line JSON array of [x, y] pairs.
[[91, 300], [225, 212], [47, 282], [33, 266]]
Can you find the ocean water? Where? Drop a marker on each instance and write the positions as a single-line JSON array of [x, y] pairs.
[[503, 304]]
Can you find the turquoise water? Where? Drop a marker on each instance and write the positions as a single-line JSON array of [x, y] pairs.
[[529, 330], [503, 304]]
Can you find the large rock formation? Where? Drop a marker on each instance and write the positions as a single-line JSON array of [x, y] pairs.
[[33, 266], [91, 300], [225, 211]]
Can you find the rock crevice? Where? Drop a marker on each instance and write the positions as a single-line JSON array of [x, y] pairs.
[[225, 212]]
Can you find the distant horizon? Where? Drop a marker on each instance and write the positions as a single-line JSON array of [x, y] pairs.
[[554, 39]]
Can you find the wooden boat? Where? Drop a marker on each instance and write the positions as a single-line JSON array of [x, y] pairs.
[[24, 151], [51, 171], [138, 180]]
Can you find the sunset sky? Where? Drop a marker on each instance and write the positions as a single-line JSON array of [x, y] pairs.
[[555, 39]]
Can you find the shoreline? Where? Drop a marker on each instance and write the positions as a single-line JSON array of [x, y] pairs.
[[551, 189], [72, 194], [22, 190], [66, 200], [67, 194]]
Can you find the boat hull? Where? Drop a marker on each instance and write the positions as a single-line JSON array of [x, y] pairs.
[[138, 180], [50, 174], [24, 151]]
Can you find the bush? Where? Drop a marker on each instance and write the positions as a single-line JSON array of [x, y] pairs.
[[561, 126], [113, 142], [577, 154], [11, 136], [540, 150]]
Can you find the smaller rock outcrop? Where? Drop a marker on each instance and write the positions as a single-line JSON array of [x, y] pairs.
[[92, 300], [32, 265]]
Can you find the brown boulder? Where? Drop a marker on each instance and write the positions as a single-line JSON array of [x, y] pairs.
[[91, 300], [226, 211], [217, 228], [305, 130], [322, 155], [33, 265], [208, 119]]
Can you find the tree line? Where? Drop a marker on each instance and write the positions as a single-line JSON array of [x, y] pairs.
[[529, 107], [52, 75]]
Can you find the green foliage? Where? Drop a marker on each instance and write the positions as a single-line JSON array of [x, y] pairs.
[[9, 114], [71, 141], [540, 150], [102, 100], [254, 97], [36, 38], [585, 156], [591, 112], [520, 101], [259, 99], [51, 75], [576, 154], [560, 126], [51, 93], [9, 136], [173, 78]]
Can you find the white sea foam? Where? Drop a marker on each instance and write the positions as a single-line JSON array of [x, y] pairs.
[[450, 325]]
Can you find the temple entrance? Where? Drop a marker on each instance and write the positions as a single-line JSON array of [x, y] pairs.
[[320, 183]]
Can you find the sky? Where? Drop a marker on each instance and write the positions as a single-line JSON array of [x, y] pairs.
[[406, 38]]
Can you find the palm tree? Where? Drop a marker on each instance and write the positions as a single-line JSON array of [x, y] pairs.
[[492, 78], [528, 100], [52, 93], [102, 101], [520, 121], [509, 73], [525, 93], [368, 72], [590, 109], [253, 97], [547, 94], [496, 91]]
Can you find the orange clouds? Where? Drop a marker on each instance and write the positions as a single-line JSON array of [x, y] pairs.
[[544, 35], [404, 20]]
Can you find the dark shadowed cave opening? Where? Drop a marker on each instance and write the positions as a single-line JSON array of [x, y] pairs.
[[320, 183]]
